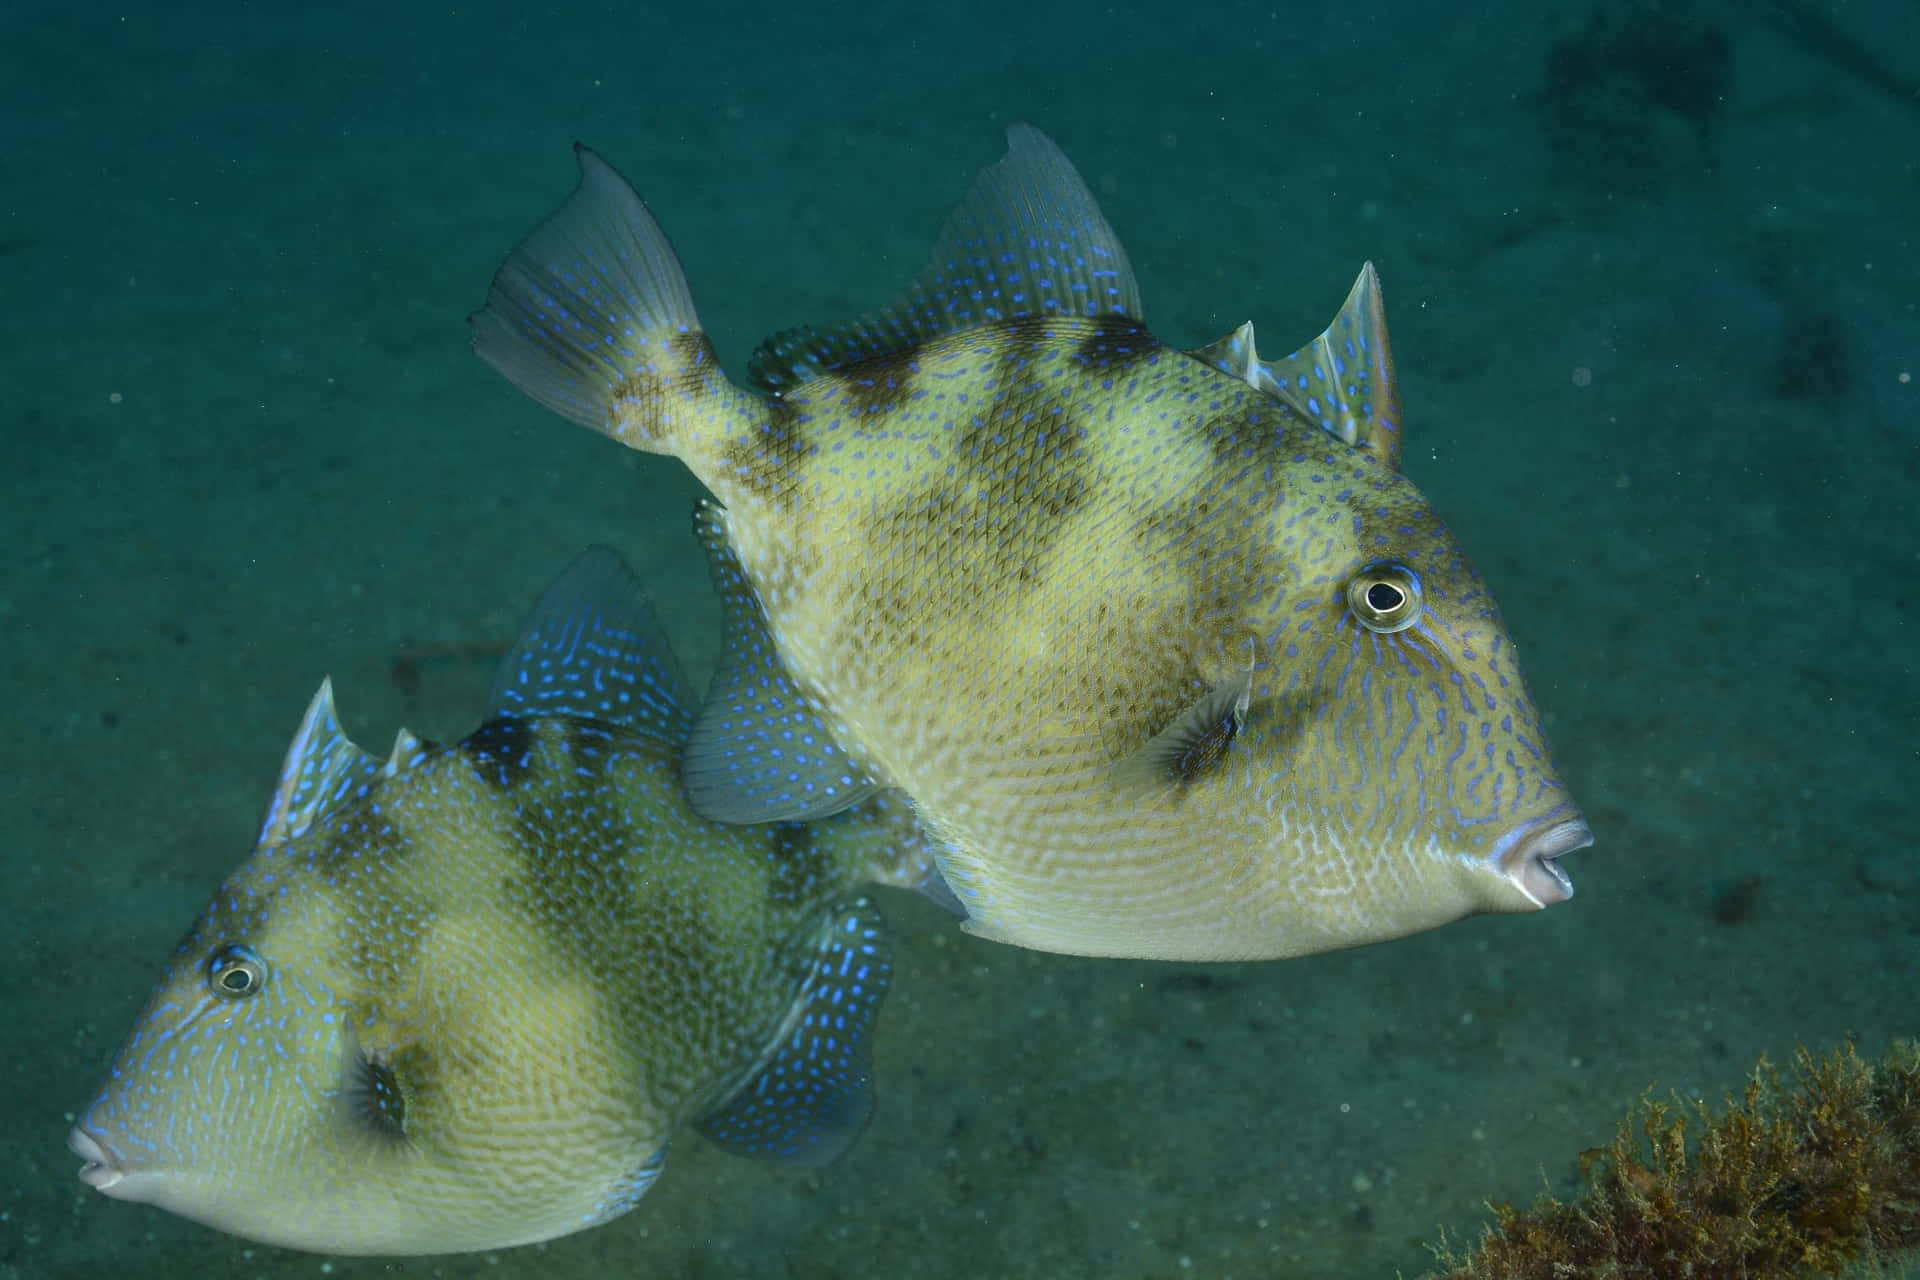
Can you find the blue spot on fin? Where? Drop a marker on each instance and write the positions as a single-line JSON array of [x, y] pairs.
[[627, 1192], [1343, 379], [588, 298], [1233, 354], [593, 649], [812, 1097], [1028, 240], [758, 752], [407, 752], [322, 768]]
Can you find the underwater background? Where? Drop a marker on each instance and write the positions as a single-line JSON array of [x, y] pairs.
[[1653, 278]]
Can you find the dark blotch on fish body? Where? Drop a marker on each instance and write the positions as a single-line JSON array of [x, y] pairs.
[[766, 462], [879, 387], [799, 864], [502, 751], [382, 1106], [1115, 343]]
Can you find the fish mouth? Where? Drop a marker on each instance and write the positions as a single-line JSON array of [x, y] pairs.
[[1533, 864], [102, 1170]]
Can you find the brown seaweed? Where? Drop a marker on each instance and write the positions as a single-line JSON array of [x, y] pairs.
[[1783, 1182]]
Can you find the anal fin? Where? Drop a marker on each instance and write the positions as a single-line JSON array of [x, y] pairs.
[[628, 1191], [758, 753], [812, 1097]]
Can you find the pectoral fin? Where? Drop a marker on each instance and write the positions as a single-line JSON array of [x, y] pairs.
[[1199, 740]]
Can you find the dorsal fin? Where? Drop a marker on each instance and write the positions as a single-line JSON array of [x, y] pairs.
[[1343, 379], [322, 768], [1028, 239], [593, 649], [1233, 354], [407, 752], [593, 295]]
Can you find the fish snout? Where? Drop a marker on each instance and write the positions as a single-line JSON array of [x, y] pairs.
[[1533, 863], [102, 1170]]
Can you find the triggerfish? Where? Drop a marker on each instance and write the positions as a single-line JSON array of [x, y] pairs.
[[464, 997], [1170, 657]]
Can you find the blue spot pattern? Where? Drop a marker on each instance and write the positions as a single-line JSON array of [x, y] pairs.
[[812, 1098], [1028, 240], [1343, 379], [593, 650], [587, 299], [758, 753], [323, 769], [627, 1193]]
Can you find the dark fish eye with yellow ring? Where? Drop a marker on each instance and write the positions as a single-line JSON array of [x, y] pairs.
[[1385, 597], [236, 971]]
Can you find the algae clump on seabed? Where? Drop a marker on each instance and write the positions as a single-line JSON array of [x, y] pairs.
[[1810, 1181]]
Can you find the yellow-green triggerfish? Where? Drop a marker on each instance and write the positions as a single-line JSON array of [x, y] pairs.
[[1171, 658], [464, 997]]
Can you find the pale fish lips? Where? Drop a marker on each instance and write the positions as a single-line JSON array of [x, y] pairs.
[[101, 1171], [1533, 862]]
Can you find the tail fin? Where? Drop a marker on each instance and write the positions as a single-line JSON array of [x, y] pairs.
[[591, 316]]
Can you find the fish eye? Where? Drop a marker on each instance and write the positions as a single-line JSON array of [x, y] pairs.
[[1385, 597], [236, 971]]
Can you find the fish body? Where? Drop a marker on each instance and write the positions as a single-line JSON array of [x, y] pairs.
[[465, 997], [1171, 658]]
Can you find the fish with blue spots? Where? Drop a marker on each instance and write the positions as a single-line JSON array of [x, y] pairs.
[[466, 996], [1170, 656]]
